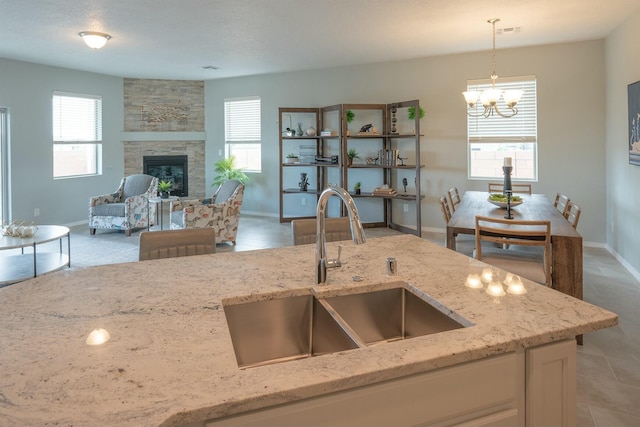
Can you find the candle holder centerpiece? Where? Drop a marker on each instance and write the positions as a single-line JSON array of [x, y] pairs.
[[507, 168]]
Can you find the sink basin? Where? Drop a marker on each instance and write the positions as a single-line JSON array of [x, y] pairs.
[[295, 327], [390, 314], [277, 330]]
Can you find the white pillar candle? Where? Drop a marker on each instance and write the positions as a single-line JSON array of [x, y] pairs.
[[507, 161]]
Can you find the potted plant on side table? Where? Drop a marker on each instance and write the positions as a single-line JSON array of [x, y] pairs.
[[164, 187]]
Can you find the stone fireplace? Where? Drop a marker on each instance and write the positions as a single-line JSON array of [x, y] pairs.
[[165, 118]]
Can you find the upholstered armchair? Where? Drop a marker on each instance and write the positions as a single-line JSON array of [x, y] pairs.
[[127, 208], [221, 212]]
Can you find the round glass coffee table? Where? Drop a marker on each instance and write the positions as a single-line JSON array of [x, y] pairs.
[[22, 266]]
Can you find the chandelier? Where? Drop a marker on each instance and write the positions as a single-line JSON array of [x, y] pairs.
[[489, 97]]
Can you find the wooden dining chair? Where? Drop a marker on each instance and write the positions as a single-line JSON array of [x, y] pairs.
[[304, 230], [561, 203], [445, 208], [572, 213], [498, 233], [454, 198], [495, 187], [176, 243]]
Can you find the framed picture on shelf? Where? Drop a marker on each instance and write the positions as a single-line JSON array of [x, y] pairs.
[[633, 99]]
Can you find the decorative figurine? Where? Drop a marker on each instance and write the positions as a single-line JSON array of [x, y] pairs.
[[304, 182], [366, 128], [404, 184]]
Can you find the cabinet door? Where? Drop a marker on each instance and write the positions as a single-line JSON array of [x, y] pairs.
[[479, 393], [551, 384]]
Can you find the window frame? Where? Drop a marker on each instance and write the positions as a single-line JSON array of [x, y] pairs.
[[71, 136], [247, 135], [515, 137]]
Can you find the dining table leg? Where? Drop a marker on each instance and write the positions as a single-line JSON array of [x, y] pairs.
[[451, 239], [566, 267]]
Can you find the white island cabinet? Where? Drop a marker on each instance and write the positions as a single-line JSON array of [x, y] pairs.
[[488, 392], [171, 360]]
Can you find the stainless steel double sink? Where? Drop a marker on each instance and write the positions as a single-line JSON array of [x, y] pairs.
[[300, 326]]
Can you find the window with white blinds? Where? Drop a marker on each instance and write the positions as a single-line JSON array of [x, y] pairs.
[[243, 132], [77, 134], [495, 137]]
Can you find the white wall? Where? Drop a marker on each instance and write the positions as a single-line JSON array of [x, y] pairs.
[[27, 89], [623, 179], [571, 103], [571, 119]]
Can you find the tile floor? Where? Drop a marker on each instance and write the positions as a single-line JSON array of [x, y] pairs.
[[608, 363]]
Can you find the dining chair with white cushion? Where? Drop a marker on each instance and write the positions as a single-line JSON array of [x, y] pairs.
[[304, 230], [501, 233], [176, 243]]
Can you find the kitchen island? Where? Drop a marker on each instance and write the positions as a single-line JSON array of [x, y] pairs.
[[170, 360]]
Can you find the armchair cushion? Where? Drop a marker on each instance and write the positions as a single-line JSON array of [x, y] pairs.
[[136, 185], [109, 209]]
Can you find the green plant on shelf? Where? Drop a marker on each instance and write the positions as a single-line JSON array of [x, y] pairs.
[[412, 113], [352, 154], [292, 156], [350, 116]]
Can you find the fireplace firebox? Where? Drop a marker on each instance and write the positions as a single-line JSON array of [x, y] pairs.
[[169, 168]]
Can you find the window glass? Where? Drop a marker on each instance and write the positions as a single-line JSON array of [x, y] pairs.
[[77, 134], [495, 137], [243, 132]]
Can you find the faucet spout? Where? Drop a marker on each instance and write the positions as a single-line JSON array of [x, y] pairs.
[[357, 232]]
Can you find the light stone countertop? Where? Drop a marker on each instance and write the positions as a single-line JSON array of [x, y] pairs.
[[170, 360]]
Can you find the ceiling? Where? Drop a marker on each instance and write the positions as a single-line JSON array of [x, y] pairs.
[[171, 39]]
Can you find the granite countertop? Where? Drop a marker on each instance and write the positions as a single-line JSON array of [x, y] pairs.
[[170, 360]]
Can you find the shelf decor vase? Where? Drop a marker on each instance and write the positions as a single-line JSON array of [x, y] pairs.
[[304, 182]]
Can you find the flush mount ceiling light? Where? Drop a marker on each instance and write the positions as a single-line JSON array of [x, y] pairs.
[[94, 39], [490, 97]]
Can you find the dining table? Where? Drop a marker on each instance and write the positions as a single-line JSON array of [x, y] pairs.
[[566, 242]]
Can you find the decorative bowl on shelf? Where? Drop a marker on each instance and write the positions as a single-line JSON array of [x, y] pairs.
[[500, 200]]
